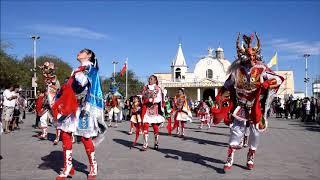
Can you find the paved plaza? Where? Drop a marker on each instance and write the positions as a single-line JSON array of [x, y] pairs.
[[288, 150]]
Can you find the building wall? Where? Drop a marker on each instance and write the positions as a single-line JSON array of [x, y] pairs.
[[218, 68], [316, 89], [163, 76], [190, 92]]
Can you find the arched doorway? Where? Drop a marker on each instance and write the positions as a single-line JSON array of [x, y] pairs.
[[207, 93]]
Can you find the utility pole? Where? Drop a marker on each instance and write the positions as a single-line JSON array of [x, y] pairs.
[[114, 68], [34, 79], [127, 78], [306, 79]]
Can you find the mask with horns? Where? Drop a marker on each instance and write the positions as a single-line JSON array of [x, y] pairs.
[[246, 52]]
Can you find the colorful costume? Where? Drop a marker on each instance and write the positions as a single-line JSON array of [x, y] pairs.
[[79, 110], [251, 85], [136, 117], [150, 114], [113, 110], [204, 114], [168, 114], [52, 85], [182, 113]]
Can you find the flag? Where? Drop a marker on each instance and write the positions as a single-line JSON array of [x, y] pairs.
[[274, 60], [123, 70]]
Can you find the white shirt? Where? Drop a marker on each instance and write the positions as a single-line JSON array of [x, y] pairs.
[[308, 105], [6, 95], [81, 77]]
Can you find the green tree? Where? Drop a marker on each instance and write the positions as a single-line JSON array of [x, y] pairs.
[[12, 71], [18, 72], [63, 70]]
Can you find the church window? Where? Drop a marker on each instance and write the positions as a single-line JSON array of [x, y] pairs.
[[209, 74]]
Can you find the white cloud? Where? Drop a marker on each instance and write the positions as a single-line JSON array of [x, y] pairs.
[[297, 48], [78, 32]]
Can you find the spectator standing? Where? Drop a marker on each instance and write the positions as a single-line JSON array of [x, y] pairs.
[[9, 101], [22, 103], [312, 109], [126, 109], [307, 109]]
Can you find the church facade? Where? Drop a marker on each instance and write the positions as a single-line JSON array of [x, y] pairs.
[[208, 76]]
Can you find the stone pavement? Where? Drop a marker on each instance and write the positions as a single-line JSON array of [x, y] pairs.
[[288, 150]]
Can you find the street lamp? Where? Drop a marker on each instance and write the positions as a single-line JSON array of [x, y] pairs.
[[114, 68], [306, 79], [34, 84]]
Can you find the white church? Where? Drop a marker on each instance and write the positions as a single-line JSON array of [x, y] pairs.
[[208, 76]]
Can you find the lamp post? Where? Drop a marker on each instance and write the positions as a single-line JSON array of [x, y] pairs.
[[306, 79], [34, 84], [114, 68]]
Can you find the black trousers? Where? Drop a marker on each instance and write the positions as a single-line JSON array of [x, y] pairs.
[[37, 121]]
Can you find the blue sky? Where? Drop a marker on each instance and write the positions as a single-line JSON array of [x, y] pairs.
[[148, 32]]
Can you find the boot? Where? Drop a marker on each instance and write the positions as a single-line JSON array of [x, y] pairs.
[[68, 168], [131, 130], [44, 134], [178, 131], [56, 141], [93, 166], [245, 141], [182, 132], [110, 125], [156, 142], [208, 125], [145, 143], [250, 159], [229, 162], [201, 125]]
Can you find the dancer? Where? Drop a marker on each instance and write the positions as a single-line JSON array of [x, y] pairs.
[[114, 110], [151, 110], [251, 85], [51, 86], [204, 114], [182, 112], [82, 114], [136, 117], [168, 113], [58, 131]]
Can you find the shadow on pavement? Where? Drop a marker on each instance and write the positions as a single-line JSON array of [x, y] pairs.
[[185, 156], [213, 133], [150, 131], [310, 126], [125, 132], [203, 141], [54, 161], [51, 137], [199, 141], [193, 157], [127, 143]]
